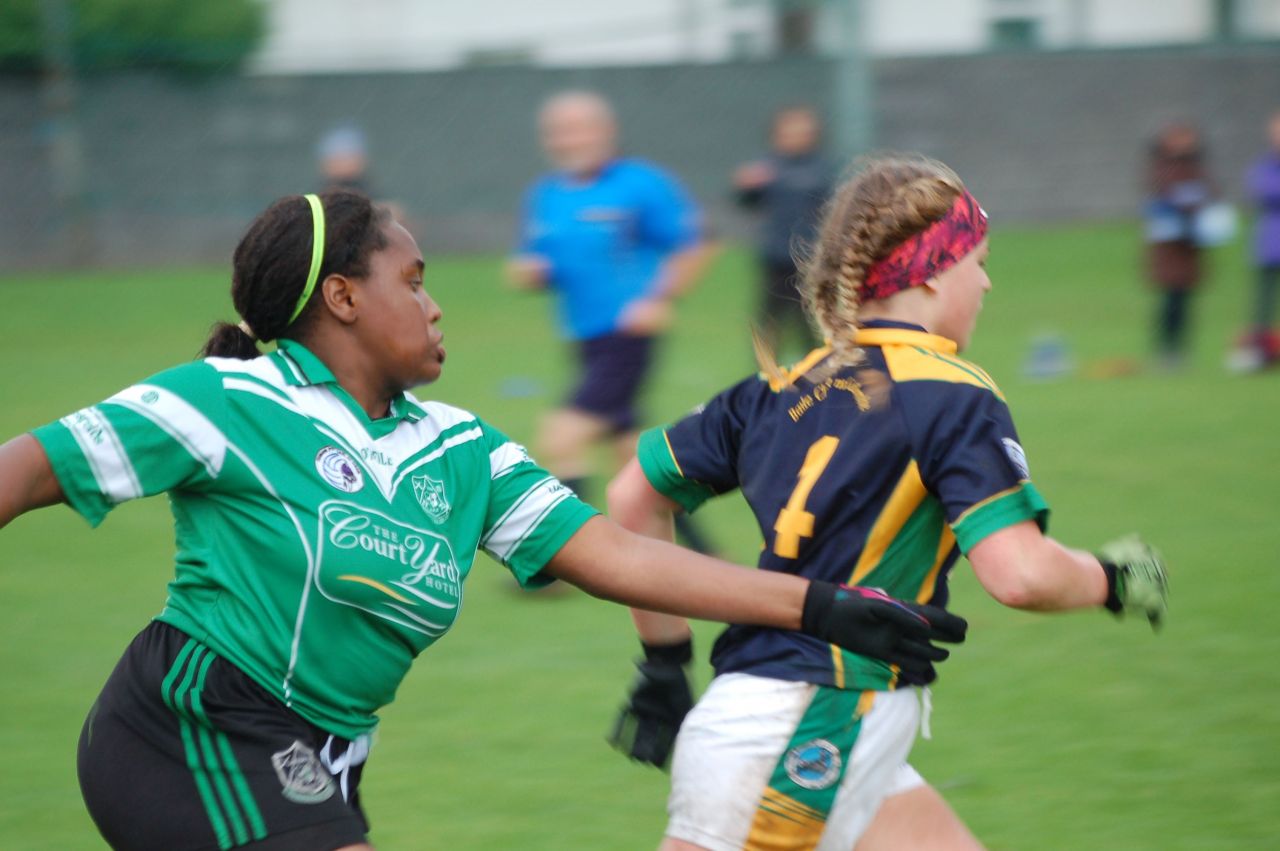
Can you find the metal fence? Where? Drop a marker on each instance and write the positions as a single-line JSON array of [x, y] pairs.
[[174, 167]]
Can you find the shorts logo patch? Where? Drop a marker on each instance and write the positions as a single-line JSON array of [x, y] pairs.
[[431, 496], [338, 469], [302, 776], [813, 765], [1017, 457]]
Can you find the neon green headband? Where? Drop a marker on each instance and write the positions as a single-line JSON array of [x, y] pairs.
[[317, 254]]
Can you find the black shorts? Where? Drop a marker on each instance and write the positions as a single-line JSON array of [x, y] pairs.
[[613, 368], [183, 752]]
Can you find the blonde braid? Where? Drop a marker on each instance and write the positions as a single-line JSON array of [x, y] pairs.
[[886, 201]]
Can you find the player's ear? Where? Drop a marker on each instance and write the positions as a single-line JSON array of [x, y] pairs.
[[339, 295]]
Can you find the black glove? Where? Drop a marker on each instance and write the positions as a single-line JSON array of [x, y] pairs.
[[660, 698], [869, 622]]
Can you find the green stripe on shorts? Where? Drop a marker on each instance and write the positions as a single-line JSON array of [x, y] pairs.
[[814, 761], [223, 789]]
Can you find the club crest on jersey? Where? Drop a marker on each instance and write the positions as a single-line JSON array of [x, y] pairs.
[[431, 496], [813, 765], [303, 778], [338, 469], [1017, 457]]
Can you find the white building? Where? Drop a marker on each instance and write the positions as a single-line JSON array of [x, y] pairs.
[[365, 35]]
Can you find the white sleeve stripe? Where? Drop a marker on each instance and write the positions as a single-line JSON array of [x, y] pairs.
[[180, 420], [512, 508], [505, 458], [110, 464], [537, 521], [510, 532]]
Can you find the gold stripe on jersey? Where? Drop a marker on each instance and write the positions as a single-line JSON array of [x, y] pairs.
[[907, 495], [807, 363], [912, 363], [672, 452], [946, 541], [782, 823], [919, 356]]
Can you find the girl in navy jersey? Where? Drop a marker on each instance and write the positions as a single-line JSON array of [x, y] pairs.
[[884, 446]]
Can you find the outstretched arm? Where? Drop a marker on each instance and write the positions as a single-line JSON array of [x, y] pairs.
[[1025, 569], [27, 481], [609, 562]]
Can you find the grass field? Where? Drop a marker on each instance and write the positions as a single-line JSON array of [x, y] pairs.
[[1067, 732]]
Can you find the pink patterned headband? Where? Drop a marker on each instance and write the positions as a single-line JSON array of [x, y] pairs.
[[930, 252]]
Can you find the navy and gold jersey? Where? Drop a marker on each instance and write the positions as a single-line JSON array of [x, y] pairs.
[[878, 474]]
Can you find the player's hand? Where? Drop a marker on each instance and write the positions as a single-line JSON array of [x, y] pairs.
[[646, 317], [528, 271], [869, 622], [1136, 579], [659, 699], [753, 175]]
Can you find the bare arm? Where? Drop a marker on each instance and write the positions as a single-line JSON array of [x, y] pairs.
[[682, 270], [657, 575], [636, 506], [27, 481], [527, 272], [1024, 569]]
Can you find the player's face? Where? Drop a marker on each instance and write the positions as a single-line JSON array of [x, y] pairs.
[[795, 133], [398, 320], [577, 137], [961, 290]]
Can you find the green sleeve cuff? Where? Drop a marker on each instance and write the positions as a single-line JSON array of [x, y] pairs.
[[1015, 505], [73, 472], [661, 468], [527, 562]]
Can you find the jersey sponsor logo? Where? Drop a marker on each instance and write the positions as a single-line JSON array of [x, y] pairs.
[[398, 572], [1017, 457], [303, 778], [813, 765], [338, 469], [431, 496]]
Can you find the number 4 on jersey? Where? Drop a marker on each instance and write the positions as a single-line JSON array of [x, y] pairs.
[[794, 522]]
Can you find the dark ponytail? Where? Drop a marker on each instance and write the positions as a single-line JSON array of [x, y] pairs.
[[229, 341], [270, 265]]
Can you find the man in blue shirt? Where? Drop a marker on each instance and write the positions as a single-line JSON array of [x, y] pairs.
[[617, 240]]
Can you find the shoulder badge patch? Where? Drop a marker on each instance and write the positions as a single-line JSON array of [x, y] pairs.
[[1017, 457]]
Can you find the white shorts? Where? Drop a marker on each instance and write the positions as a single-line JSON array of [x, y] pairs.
[[770, 765]]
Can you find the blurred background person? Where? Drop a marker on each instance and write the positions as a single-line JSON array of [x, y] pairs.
[[787, 188], [617, 240], [1178, 188], [342, 155], [1261, 345]]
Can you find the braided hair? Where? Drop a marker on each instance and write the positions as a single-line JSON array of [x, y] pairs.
[[885, 201]]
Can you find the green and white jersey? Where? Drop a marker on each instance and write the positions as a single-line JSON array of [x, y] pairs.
[[318, 550]]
